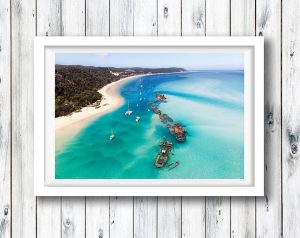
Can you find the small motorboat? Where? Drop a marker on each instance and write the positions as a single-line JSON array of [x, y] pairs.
[[112, 136], [137, 119]]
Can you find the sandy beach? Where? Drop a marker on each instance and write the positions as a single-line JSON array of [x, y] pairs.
[[111, 100]]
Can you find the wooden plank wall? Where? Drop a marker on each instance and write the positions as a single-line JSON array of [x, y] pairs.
[[274, 215]]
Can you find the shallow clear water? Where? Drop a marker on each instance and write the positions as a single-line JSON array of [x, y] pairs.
[[210, 104]]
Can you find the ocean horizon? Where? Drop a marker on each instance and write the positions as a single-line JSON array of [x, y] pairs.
[[210, 106]]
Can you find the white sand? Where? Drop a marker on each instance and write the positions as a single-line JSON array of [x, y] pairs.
[[111, 100]]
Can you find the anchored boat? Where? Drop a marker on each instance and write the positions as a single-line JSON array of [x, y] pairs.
[[128, 112], [112, 136]]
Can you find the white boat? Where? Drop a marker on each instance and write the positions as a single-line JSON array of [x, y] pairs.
[[112, 136], [128, 112], [137, 119]]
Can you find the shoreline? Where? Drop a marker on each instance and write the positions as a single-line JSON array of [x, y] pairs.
[[111, 100]]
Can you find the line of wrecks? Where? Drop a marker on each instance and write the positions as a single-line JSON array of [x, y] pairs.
[[176, 130]]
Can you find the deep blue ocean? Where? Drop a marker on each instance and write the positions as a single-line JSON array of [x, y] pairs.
[[210, 106]]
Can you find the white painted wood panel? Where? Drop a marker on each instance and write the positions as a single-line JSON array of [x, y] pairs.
[[268, 208], [217, 217], [48, 19], [121, 217], [48, 222], [97, 217], [242, 208], [218, 208], [121, 17], [217, 18], [290, 118], [5, 120], [169, 17], [193, 217], [169, 217], [23, 201], [145, 17], [73, 217], [193, 17], [48, 23], [242, 217], [145, 217], [97, 17], [73, 17], [242, 17]]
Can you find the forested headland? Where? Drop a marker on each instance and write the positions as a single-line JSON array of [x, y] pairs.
[[77, 86]]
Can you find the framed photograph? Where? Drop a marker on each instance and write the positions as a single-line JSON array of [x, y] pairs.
[[149, 116]]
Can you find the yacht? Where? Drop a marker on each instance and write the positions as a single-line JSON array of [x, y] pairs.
[[128, 112]]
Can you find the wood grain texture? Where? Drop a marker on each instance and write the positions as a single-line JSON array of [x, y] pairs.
[[242, 217], [242, 208], [242, 16], [218, 208], [48, 19], [73, 17], [169, 217], [218, 18], [97, 217], [121, 17], [5, 120], [193, 217], [169, 17], [73, 217], [290, 117], [23, 201], [217, 217], [48, 23], [48, 222], [145, 217], [97, 17], [145, 17], [193, 17], [268, 208], [121, 217]]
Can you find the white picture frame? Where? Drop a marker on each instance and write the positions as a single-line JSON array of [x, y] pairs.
[[45, 183]]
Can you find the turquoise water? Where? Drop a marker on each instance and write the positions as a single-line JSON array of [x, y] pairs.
[[210, 105]]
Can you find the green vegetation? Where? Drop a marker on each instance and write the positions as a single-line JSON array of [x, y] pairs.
[[77, 86]]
